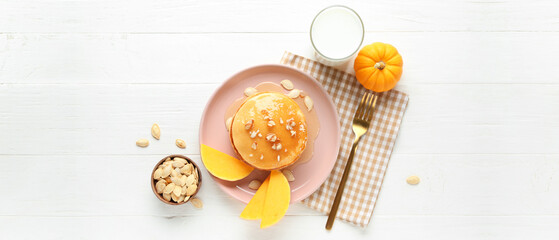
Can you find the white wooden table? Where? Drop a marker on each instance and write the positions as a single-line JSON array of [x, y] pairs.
[[80, 81]]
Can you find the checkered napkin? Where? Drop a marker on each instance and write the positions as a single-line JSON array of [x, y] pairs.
[[374, 149]]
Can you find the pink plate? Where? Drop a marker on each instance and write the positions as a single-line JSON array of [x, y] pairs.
[[308, 176]]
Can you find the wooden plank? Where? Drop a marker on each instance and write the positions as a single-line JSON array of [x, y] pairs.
[[442, 57], [271, 16], [118, 185], [300, 227], [108, 119]]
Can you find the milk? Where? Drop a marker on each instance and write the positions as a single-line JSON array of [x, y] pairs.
[[337, 33]]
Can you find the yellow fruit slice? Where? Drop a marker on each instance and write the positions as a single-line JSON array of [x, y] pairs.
[[277, 199], [254, 208], [224, 166]]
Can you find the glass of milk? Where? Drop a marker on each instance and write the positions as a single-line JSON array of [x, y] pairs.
[[336, 34]]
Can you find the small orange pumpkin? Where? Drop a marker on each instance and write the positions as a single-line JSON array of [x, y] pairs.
[[378, 66]]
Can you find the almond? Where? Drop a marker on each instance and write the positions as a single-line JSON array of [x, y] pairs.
[[176, 181], [294, 93], [169, 188], [191, 190], [196, 202], [288, 85], [308, 103], [180, 143], [413, 180], [178, 164], [175, 197], [160, 185], [288, 175], [249, 91], [157, 174], [254, 184], [167, 196], [167, 171], [183, 180], [142, 142], [155, 131]]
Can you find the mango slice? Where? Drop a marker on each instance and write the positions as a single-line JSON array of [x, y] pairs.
[[277, 199], [254, 208], [223, 166]]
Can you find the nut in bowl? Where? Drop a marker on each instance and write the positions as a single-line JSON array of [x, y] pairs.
[[175, 179]]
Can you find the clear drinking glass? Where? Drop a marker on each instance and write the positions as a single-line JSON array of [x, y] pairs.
[[336, 33]]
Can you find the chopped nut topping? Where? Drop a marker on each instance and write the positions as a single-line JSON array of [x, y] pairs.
[[293, 133], [271, 137], [254, 144], [259, 134], [278, 158], [276, 146], [281, 120], [288, 127], [250, 155], [301, 127], [248, 125], [261, 156], [253, 133], [271, 123]]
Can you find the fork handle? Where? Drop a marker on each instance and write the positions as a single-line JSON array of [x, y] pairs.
[[339, 193]]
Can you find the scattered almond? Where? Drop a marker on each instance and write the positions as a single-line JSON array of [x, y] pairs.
[[254, 184], [155, 131], [413, 180], [180, 143], [196, 202], [287, 84], [308, 103], [288, 175], [294, 93], [142, 142], [249, 91]]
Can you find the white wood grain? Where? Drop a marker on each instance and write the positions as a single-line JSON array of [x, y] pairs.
[[271, 16], [301, 227], [441, 57], [80, 81]]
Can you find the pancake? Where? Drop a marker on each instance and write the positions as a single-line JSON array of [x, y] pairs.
[[269, 131]]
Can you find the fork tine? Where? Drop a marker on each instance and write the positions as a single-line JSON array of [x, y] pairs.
[[372, 108], [359, 111], [368, 106]]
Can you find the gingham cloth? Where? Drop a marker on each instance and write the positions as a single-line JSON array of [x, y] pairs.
[[374, 149]]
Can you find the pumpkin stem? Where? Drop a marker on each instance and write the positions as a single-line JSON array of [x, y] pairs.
[[380, 65]]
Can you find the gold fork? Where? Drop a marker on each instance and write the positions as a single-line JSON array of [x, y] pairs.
[[361, 121]]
